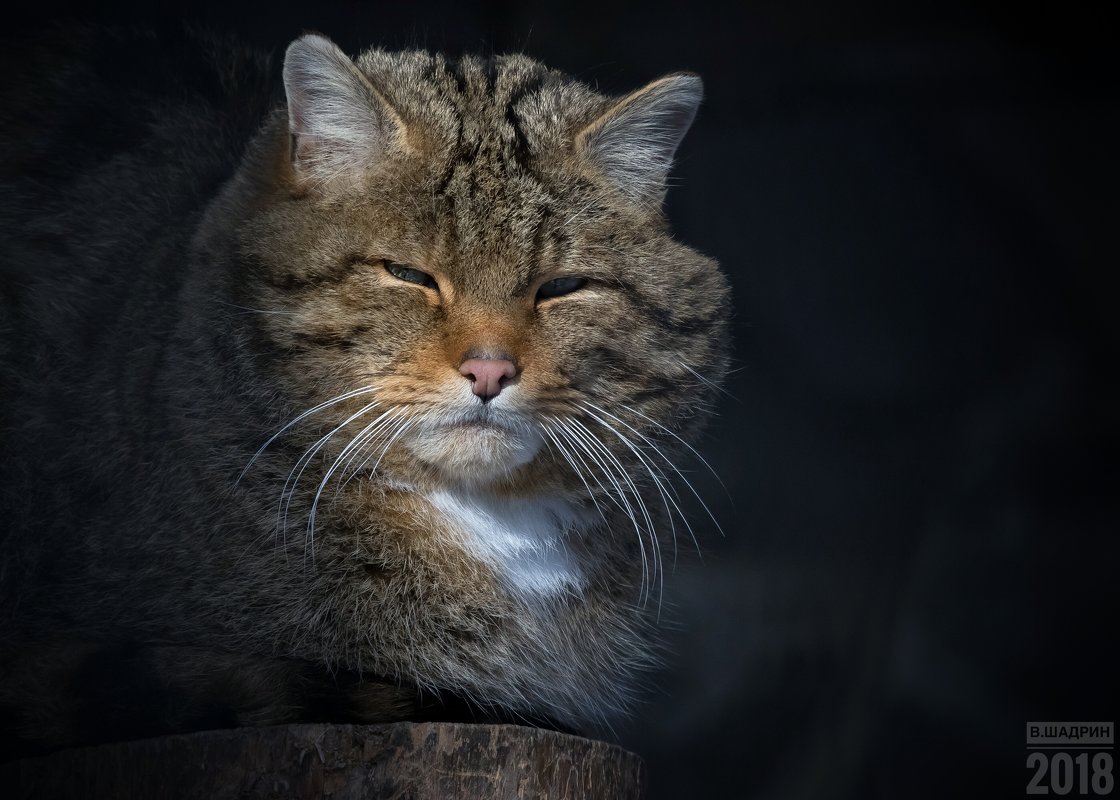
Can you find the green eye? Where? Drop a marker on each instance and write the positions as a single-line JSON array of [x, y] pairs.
[[410, 275], [559, 286]]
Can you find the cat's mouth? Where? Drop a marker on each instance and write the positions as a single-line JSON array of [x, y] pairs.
[[476, 425], [482, 417], [477, 445]]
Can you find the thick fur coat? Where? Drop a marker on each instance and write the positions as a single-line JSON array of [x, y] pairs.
[[247, 474]]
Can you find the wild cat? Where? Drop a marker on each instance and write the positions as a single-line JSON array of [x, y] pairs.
[[353, 396]]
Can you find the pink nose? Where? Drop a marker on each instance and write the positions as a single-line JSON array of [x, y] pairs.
[[487, 375]]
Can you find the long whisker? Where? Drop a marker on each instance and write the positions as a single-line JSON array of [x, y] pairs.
[[297, 471], [365, 443], [619, 495], [657, 571], [656, 449], [660, 479], [395, 436], [657, 424], [349, 448], [551, 439], [388, 434], [661, 482], [313, 410], [251, 310], [709, 382]]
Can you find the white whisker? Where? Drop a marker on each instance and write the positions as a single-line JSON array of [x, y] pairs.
[[660, 479], [313, 410], [349, 448], [709, 382], [297, 471], [250, 310], [619, 494], [551, 438], [655, 564], [591, 407], [365, 444], [691, 449], [392, 439]]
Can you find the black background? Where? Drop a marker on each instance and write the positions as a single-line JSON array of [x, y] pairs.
[[916, 204]]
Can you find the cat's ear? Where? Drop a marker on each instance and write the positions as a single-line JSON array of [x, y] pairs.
[[340, 125], [633, 142]]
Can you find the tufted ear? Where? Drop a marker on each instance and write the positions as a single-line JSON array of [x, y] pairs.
[[632, 144], [340, 125]]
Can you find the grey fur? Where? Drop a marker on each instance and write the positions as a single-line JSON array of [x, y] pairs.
[[178, 286]]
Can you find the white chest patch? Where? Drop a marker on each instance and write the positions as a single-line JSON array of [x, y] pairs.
[[525, 540]]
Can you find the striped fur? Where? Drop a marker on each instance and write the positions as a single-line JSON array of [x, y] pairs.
[[243, 480]]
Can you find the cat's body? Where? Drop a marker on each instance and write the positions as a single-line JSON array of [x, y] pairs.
[[460, 269]]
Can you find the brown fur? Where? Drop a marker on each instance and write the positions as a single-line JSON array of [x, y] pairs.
[[220, 314]]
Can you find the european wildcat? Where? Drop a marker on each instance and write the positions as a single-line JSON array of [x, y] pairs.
[[346, 403]]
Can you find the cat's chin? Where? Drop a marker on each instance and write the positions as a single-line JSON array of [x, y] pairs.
[[474, 454]]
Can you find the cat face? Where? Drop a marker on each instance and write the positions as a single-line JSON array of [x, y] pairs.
[[478, 252]]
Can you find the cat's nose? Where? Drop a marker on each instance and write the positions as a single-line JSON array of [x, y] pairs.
[[488, 376]]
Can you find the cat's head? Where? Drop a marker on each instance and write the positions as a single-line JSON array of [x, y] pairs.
[[476, 250]]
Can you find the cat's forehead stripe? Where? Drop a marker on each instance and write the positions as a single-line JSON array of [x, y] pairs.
[[473, 102]]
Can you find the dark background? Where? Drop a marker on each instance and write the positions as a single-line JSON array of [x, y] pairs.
[[916, 204]]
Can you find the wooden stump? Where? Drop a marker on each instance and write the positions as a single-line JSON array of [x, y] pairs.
[[405, 761]]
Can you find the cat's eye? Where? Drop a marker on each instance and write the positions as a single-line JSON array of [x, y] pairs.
[[557, 287], [410, 275]]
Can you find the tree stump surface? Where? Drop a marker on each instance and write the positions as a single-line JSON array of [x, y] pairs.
[[402, 761]]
